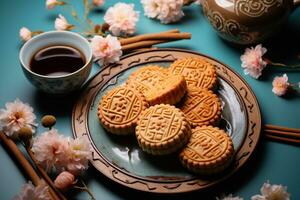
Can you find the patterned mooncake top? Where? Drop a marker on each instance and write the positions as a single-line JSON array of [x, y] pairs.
[[197, 72], [208, 146], [121, 105], [200, 106], [160, 123]]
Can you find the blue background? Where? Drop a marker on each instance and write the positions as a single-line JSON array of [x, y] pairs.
[[279, 163]]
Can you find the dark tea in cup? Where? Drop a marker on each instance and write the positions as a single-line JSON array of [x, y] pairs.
[[57, 60]]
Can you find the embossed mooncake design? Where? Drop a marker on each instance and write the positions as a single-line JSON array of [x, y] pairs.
[[197, 72], [209, 150], [120, 109], [158, 85], [200, 107], [162, 129]]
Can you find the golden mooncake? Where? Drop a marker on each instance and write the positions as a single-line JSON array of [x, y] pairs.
[[200, 107], [162, 129], [209, 151], [196, 71], [120, 109], [158, 85]]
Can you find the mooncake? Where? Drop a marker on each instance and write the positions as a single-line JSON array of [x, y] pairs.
[[200, 107], [162, 129], [209, 151], [120, 109], [196, 71], [158, 85]]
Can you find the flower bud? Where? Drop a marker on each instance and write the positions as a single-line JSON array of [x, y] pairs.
[[25, 134], [48, 121], [64, 180]]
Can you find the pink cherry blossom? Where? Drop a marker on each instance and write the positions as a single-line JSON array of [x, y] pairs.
[[30, 192], [122, 19], [106, 50], [230, 197], [272, 192], [81, 152], [98, 3], [280, 85], [50, 148], [16, 115], [25, 34], [252, 61], [61, 24], [64, 180], [167, 11], [50, 4]]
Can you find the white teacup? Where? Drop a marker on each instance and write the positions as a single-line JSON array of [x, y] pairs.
[[61, 84]]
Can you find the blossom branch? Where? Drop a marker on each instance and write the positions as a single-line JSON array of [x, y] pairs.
[[85, 188], [276, 64], [253, 61]]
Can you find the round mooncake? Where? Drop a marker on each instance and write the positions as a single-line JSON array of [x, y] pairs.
[[162, 129], [120, 109], [196, 71], [209, 151], [158, 85], [200, 107]]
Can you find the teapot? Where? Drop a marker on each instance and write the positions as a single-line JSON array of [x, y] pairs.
[[247, 21]]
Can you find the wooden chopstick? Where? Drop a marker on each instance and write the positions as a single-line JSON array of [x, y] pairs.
[[45, 175], [155, 36], [143, 44], [12, 147], [282, 139], [284, 134], [281, 128]]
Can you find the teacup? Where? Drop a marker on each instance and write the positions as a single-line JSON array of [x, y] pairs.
[[57, 84]]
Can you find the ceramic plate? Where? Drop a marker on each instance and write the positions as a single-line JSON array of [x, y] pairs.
[[121, 159]]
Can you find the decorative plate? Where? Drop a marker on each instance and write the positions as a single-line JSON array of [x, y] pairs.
[[121, 159]]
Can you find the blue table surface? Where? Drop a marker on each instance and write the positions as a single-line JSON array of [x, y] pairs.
[[277, 162]]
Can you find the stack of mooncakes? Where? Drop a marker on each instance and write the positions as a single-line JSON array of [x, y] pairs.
[[172, 110]]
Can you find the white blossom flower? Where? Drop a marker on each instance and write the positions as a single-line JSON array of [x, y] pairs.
[[64, 180], [50, 4], [81, 152], [229, 197], [122, 19], [25, 34], [106, 50], [166, 11], [98, 3], [252, 61], [16, 116], [272, 192], [30, 192], [50, 148], [280, 85], [61, 24]]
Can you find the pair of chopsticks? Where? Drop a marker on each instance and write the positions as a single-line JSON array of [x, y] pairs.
[[147, 40], [54, 193], [282, 134]]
